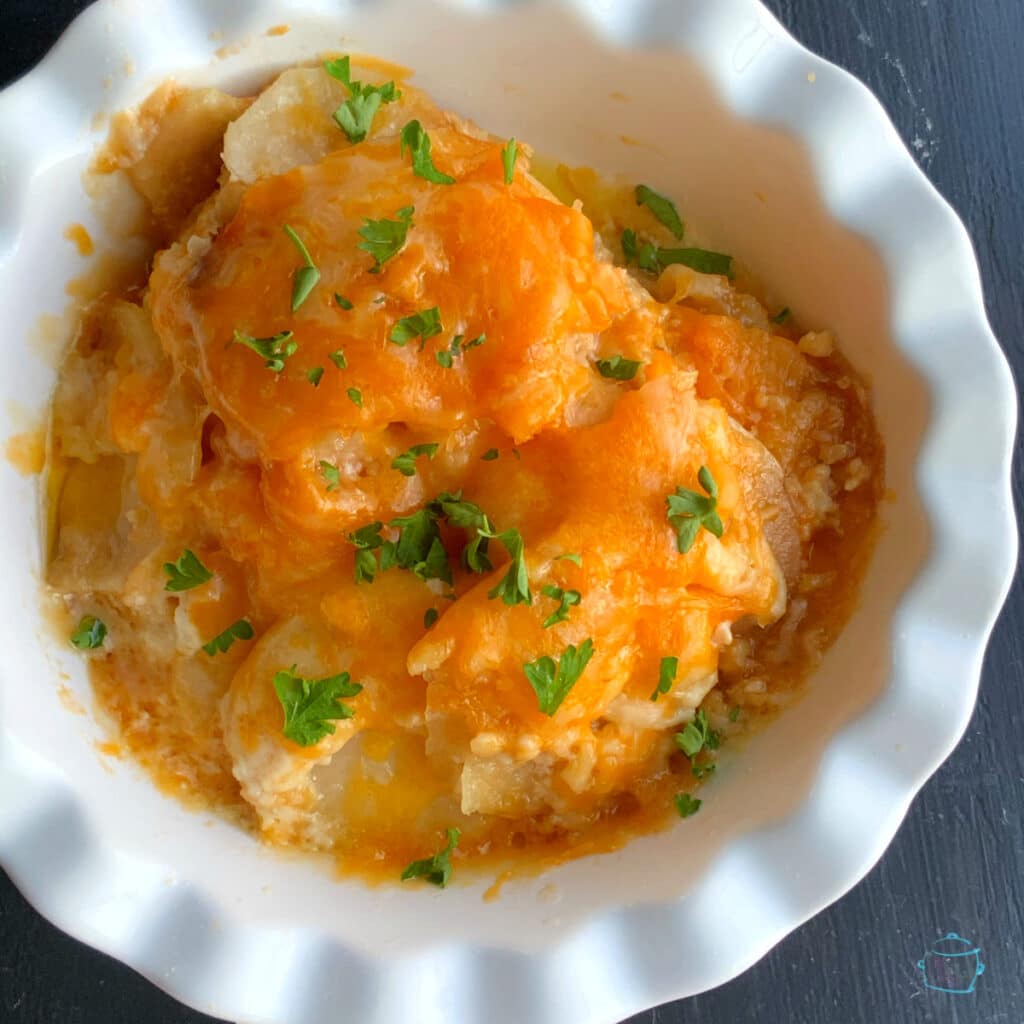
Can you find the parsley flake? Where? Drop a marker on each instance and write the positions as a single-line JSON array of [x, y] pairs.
[[240, 630], [782, 316], [688, 511], [654, 260], [355, 116], [366, 540], [342, 302], [662, 208], [331, 474], [430, 617], [509, 155], [338, 358], [383, 239], [566, 598], [311, 706], [514, 586], [734, 714], [424, 324], [437, 869], [687, 805], [306, 277], [666, 676], [446, 357], [419, 548], [552, 683], [490, 455], [90, 633], [274, 350], [315, 375], [697, 736], [355, 396], [187, 572], [644, 256], [571, 556], [418, 143], [406, 462], [618, 367]]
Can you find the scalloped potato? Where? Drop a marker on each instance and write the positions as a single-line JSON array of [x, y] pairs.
[[408, 506]]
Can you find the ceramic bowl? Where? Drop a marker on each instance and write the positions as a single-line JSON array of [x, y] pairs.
[[778, 157]]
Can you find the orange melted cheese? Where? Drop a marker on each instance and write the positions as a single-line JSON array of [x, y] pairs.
[[199, 445]]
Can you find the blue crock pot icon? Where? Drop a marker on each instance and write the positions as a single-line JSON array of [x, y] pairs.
[[953, 964]]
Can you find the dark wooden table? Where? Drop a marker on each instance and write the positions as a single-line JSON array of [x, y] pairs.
[[950, 74]]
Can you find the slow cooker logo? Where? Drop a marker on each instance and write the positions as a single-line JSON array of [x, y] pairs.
[[953, 964]]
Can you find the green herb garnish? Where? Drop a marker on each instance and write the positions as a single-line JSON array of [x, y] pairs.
[[338, 358], [687, 805], [274, 350], [566, 598], [187, 572], [782, 316], [315, 375], [437, 869], [430, 617], [509, 154], [688, 511], [406, 462], [446, 357], [344, 303], [311, 706], [697, 735], [383, 239], [734, 714], [366, 540], [424, 324], [662, 208], [618, 367], [418, 143], [306, 277], [704, 261], [90, 633], [355, 116], [645, 256], [666, 676], [552, 683], [240, 630], [331, 474], [355, 396], [571, 556], [490, 455]]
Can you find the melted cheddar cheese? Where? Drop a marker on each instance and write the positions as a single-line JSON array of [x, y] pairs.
[[170, 436]]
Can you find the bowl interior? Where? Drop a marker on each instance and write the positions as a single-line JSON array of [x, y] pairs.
[[647, 114]]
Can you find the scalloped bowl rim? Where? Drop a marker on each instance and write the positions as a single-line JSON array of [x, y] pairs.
[[27, 783]]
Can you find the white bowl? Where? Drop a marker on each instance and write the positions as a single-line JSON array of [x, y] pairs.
[[784, 160]]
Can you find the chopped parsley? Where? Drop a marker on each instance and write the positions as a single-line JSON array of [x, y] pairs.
[[662, 208], [383, 239], [566, 598], [187, 572], [315, 375], [305, 279], [311, 706], [331, 474], [355, 396], [653, 259], [366, 540], [688, 511], [509, 155], [274, 350], [424, 324], [240, 630], [419, 548], [687, 805], [418, 143], [437, 869], [344, 303], [700, 769], [490, 455], [406, 462], [514, 586], [618, 367], [355, 116], [338, 358], [430, 617], [734, 714], [90, 633], [782, 316], [571, 556], [697, 736], [552, 683], [446, 357], [666, 676]]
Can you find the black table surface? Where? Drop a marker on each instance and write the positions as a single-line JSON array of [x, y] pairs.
[[949, 73]]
